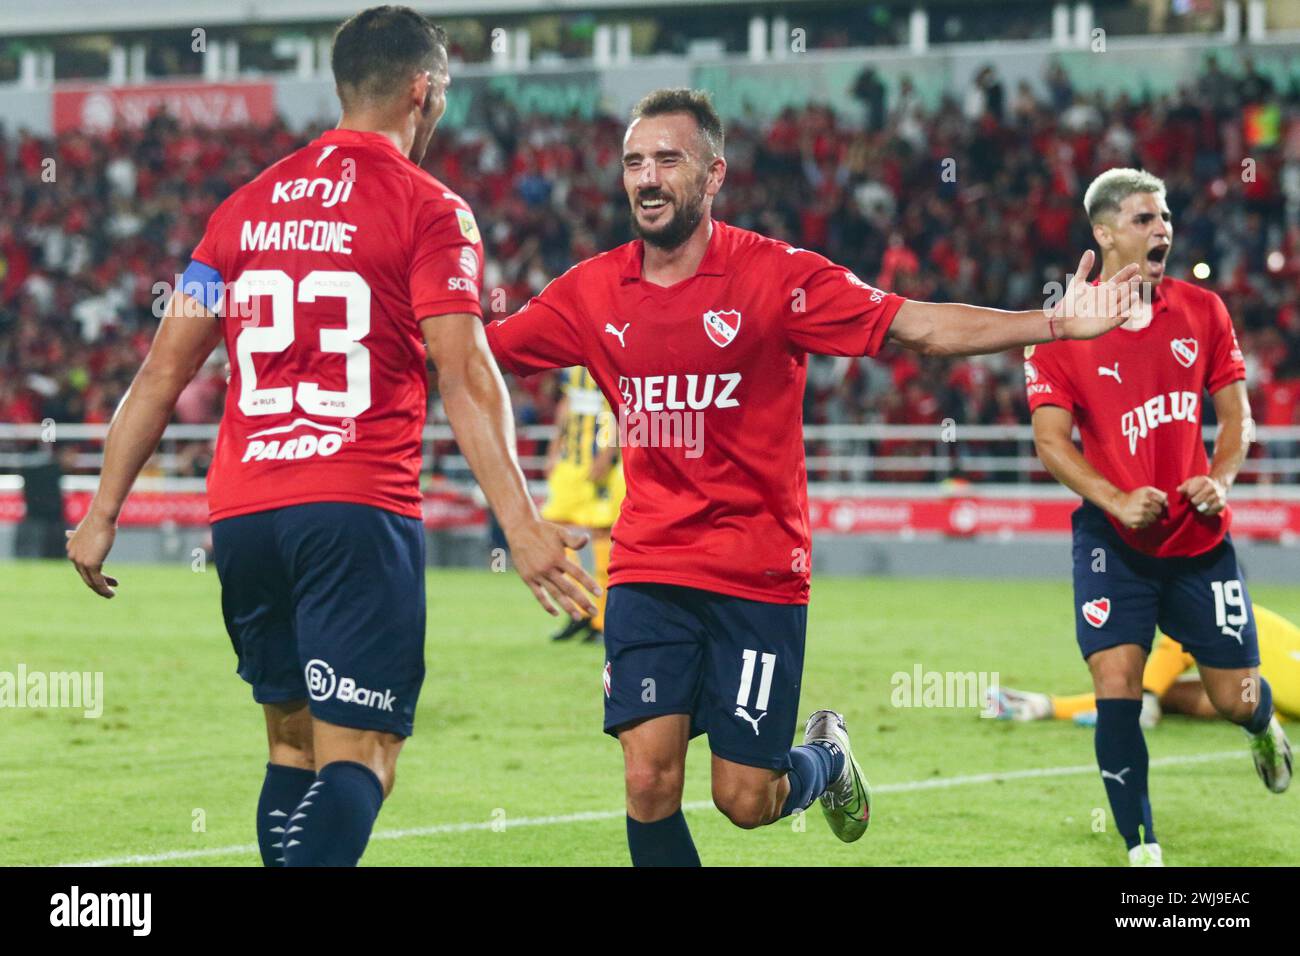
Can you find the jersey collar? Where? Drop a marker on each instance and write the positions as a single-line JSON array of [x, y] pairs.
[[714, 262], [355, 137], [1159, 295]]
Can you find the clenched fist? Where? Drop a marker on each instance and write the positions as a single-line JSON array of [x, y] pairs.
[[1140, 507], [1207, 495]]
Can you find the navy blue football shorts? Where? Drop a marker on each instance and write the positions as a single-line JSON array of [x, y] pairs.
[[325, 601], [1122, 595], [733, 665]]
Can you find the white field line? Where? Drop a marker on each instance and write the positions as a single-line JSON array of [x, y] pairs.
[[910, 786]]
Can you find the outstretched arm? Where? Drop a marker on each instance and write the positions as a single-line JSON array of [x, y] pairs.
[[478, 408], [184, 340], [1084, 312]]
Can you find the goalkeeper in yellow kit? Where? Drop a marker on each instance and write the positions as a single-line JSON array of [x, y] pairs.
[[584, 478], [1165, 688]]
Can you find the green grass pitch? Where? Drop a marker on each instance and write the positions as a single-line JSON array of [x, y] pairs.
[[508, 730]]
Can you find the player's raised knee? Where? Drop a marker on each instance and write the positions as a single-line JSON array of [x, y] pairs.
[[746, 808]]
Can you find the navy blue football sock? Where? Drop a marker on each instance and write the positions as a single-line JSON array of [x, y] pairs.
[[282, 790], [332, 823], [813, 768], [1122, 757], [665, 842], [1263, 714]]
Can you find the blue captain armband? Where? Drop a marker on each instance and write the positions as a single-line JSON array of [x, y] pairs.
[[203, 283]]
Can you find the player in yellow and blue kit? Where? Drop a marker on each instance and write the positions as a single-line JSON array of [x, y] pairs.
[[1167, 685], [584, 477]]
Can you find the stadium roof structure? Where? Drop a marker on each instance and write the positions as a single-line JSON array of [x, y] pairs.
[[53, 17]]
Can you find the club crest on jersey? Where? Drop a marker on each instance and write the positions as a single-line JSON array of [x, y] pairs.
[[722, 327], [1185, 350], [1097, 612]]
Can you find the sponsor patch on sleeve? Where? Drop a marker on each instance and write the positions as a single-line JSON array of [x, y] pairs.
[[468, 227]]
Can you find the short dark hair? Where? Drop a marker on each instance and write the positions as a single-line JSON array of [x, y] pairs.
[[376, 51], [683, 100]]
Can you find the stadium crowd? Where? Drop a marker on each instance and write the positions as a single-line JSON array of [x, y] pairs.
[[976, 200]]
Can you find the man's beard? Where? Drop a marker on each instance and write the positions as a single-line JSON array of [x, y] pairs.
[[678, 229]]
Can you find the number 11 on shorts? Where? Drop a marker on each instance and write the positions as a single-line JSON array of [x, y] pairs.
[[747, 679]]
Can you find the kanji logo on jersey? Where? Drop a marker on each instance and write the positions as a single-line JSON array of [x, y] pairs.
[[1097, 612], [722, 327], [332, 191], [1185, 351]]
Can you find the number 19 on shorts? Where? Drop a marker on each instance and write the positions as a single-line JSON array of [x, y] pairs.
[[1229, 603]]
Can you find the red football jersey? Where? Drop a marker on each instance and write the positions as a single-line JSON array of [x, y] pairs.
[[330, 259], [707, 380], [1137, 399]]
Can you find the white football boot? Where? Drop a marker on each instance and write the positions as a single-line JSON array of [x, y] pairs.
[[1272, 753], [847, 801], [1146, 854]]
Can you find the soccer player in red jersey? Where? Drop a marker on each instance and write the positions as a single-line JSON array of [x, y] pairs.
[[332, 273], [1151, 543], [698, 334]]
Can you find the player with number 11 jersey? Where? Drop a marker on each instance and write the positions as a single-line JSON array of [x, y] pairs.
[[698, 333]]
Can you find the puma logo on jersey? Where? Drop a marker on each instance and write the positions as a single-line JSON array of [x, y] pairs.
[[656, 393], [1156, 411], [1117, 777], [744, 715], [619, 333], [1233, 632], [1112, 372], [332, 191]]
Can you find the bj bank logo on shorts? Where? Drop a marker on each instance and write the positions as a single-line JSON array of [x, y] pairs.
[[323, 683]]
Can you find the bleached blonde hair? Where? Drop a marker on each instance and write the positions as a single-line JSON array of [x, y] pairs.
[[1111, 188]]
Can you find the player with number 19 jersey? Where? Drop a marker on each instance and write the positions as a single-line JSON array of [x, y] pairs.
[[329, 259], [1136, 396]]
